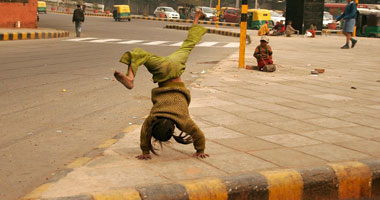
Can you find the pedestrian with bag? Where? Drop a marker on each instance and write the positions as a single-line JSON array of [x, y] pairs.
[[78, 19]]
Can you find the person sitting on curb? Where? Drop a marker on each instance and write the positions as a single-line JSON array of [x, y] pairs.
[[264, 29], [263, 53], [171, 98], [290, 30], [278, 29]]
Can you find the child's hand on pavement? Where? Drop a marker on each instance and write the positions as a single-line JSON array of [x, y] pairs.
[[144, 157], [200, 155]]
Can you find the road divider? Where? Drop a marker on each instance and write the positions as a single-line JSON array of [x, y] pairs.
[[209, 30], [348, 180], [32, 35], [157, 19]]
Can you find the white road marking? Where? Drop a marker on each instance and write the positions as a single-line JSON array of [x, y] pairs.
[[131, 41], [232, 44], [178, 44], [105, 40], [80, 39], [207, 44], [155, 43]]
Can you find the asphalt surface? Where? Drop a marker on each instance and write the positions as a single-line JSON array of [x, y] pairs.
[[58, 98]]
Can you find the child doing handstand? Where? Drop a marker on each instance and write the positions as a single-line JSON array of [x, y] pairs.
[[171, 98]]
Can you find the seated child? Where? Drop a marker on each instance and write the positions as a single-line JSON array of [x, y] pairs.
[[171, 98], [312, 30], [263, 53]]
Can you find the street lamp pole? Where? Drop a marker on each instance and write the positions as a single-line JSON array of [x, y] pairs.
[[256, 4]]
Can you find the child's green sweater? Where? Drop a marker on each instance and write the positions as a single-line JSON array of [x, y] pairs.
[[171, 100]]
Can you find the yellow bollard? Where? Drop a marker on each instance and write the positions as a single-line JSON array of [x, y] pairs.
[[243, 32], [354, 33], [217, 14]]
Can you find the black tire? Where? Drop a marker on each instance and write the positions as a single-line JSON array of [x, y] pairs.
[[129, 19], [372, 35]]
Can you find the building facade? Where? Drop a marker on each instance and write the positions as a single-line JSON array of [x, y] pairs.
[[18, 13]]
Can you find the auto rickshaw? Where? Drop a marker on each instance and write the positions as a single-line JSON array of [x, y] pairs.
[[258, 17], [121, 12], [41, 7], [368, 23]]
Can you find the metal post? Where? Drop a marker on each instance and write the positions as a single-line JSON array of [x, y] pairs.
[[256, 4], [354, 33], [217, 14], [210, 3], [237, 3], [243, 32]]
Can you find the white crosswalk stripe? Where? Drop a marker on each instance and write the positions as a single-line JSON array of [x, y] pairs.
[[232, 45], [207, 44], [154, 43], [178, 44], [105, 40], [81, 39], [131, 42]]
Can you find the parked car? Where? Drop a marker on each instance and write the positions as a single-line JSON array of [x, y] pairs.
[[327, 19], [209, 12], [232, 15], [168, 12], [276, 17]]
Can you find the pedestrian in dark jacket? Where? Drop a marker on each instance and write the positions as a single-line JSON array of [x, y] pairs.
[[78, 19], [349, 17]]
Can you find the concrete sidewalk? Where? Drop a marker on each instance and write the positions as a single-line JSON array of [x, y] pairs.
[[254, 121], [29, 33]]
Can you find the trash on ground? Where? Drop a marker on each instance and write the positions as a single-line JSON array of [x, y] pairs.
[[134, 117], [106, 78], [309, 65], [194, 72], [30, 133], [64, 90], [354, 88], [194, 76], [130, 123], [378, 81], [319, 70], [203, 72], [59, 131], [314, 72]]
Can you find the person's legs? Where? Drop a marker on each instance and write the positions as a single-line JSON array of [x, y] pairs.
[[346, 46], [77, 28], [353, 41]]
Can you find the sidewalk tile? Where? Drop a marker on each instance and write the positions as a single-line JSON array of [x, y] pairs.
[[164, 154], [246, 143], [333, 97], [206, 102], [363, 120], [190, 168], [297, 114], [212, 148], [225, 119], [255, 129], [235, 108], [220, 133], [330, 112], [294, 126], [272, 99], [203, 111], [238, 162], [364, 146], [330, 136], [361, 131], [264, 117], [287, 157], [330, 122], [300, 105], [289, 140], [332, 152]]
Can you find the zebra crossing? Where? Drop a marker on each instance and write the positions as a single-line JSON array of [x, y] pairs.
[[153, 43]]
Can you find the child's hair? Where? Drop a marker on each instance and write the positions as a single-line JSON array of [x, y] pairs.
[[162, 130]]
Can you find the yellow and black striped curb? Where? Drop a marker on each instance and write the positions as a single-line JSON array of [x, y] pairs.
[[209, 30], [348, 180], [158, 19], [79, 162], [32, 35]]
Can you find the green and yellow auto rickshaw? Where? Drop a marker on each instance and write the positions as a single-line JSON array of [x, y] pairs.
[[41, 7], [368, 23], [258, 17], [121, 12]]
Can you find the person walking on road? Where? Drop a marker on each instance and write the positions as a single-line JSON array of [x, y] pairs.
[[349, 17], [78, 19], [171, 98]]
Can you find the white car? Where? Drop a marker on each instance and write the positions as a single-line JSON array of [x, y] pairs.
[[169, 12], [327, 19], [276, 17], [210, 14]]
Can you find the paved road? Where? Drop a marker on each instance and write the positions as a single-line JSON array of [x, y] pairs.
[[42, 128]]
